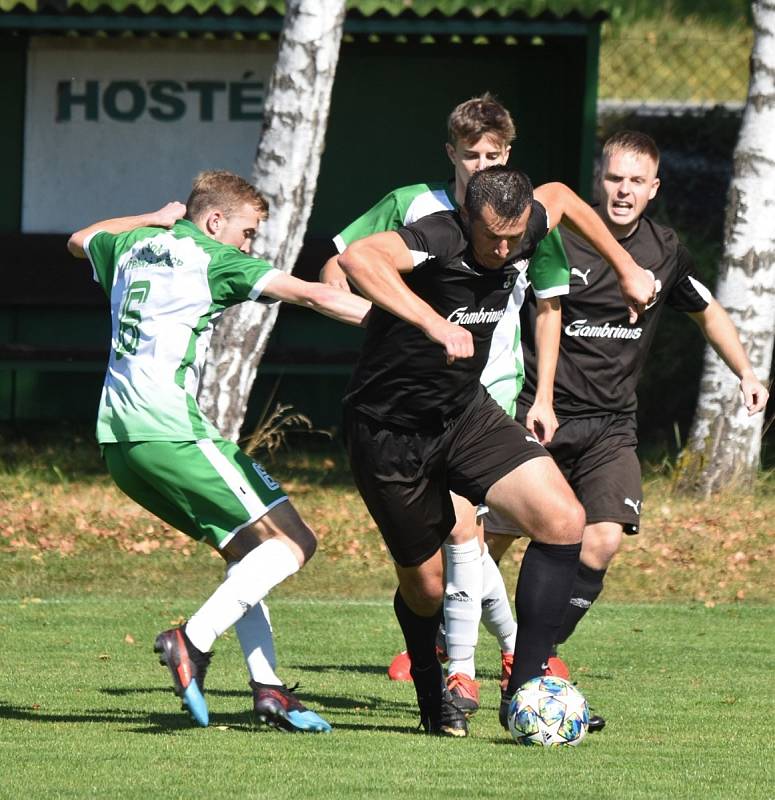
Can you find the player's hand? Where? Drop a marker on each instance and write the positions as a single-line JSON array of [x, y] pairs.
[[456, 340], [168, 215], [755, 394], [333, 275], [542, 422], [639, 290]]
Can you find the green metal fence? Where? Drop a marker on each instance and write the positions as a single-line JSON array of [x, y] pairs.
[[675, 68], [685, 84]]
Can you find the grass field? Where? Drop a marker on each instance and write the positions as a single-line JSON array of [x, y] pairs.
[[678, 656], [86, 709]]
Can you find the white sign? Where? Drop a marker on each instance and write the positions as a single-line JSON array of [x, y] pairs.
[[118, 127]]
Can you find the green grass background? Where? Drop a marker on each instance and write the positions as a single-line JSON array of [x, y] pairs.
[[85, 709], [678, 655]]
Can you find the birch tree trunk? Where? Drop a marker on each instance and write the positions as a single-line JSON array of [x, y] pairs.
[[285, 171], [725, 443]]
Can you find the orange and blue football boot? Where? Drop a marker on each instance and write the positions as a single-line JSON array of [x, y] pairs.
[[279, 707], [188, 667]]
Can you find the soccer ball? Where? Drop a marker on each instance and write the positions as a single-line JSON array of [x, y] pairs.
[[548, 711]]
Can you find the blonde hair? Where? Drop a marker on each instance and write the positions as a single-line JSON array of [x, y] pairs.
[[225, 191]]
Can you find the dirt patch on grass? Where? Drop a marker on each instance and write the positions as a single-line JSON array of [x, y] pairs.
[[720, 550]]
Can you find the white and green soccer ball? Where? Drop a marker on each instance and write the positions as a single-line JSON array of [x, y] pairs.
[[548, 711]]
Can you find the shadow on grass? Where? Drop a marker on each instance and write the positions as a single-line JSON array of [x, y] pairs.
[[176, 721], [363, 669], [501, 740], [331, 702], [167, 723]]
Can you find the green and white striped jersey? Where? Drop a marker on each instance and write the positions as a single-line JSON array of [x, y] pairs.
[[400, 207], [549, 275], [166, 289], [504, 373]]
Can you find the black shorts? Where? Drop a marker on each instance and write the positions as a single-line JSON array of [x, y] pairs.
[[598, 459], [405, 476]]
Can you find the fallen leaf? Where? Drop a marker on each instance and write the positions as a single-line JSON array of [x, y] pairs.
[[146, 546]]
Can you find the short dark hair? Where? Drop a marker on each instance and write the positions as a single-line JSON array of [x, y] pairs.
[[507, 191], [633, 141], [477, 117], [225, 191]]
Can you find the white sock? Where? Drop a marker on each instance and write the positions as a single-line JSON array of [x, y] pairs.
[[496, 607], [254, 632], [462, 604], [249, 581]]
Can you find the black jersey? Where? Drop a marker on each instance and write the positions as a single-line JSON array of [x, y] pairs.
[[601, 353], [402, 377]]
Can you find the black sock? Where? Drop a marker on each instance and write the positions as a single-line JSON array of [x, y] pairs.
[[420, 637], [586, 589], [543, 591]]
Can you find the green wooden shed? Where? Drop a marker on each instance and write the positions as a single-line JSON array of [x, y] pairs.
[[111, 105]]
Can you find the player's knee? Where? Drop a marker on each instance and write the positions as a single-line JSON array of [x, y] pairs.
[[566, 522], [606, 558], [605, 554], [427, 604], [307, 543], [284, 522], [596, 559], [600, 545], [575, 519], [462, 533], [466, 527], [302, 541], [424, 596]]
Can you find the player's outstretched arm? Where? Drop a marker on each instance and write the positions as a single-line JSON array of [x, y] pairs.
[[720, 331], [564, 205], [165, 217], [327, 300], [333, 275], [541, 420], [375, 265]]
